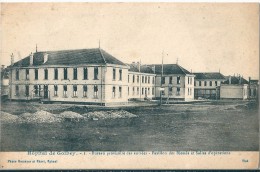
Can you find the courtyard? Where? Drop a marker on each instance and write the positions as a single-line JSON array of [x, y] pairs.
[[201, 126]]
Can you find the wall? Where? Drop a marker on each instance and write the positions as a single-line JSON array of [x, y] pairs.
[[103, 92], [183, 85], [135, 94], [233, 91]]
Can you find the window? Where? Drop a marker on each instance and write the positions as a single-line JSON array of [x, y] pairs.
[[188, 80], [45, 73], [142, 91], [145, 90], [210, 83], [188, 91], [152, 91], [195, 83], [170, 89], [199, 83], [36, 90], [120, 74], [85, 73], [170, 80], [137, 92], [153, 80], [27, 74], [148, 79], [36, 74], [163, 80], [145, 79], [40, 90], [55, 73], [137, 79], [95, 73], [178, 91], [133, 90], [75, 90], [128, 89], [133, 78], [17, 74], [142, 79], [85, 90], [27, 90], [113, 92], [205, 83], [191, 81], [216, 83], [65, 89], [178, 79], [75, 73], [65, 70], [114, 74], [17, 90], [128, 78], [55, 90], [148, 91], [120, 92], [95, 91]]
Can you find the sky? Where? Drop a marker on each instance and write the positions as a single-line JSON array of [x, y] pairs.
[[203, 37]]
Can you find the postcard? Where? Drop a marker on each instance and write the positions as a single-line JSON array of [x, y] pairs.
[[129, 86]]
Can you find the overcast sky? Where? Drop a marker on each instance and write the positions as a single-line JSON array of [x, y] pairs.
[[204, 37]]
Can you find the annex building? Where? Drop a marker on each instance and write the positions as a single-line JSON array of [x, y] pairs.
[[93, 76]]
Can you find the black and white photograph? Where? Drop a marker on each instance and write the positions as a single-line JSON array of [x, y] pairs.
[[151, 78]]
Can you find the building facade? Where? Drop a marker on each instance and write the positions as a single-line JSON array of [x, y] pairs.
[[141, 80], [253, 86], [207, 85], [93, 76], [175, 82], [235, 87], [89, 76]]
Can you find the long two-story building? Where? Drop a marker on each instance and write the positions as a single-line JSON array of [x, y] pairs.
[[93, 76], [86, 75], [207, 85]]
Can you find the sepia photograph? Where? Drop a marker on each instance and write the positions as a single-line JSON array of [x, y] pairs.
[[139, 77]]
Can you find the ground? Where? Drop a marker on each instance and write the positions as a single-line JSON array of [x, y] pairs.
[[214, 125]]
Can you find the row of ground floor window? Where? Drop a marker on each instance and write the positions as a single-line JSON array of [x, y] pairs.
[[47, 91]]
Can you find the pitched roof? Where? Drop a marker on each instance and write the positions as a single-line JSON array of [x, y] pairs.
[[235, 80], [143, 68], [70, 57], [169, 69], [209, 75], [157, 68]]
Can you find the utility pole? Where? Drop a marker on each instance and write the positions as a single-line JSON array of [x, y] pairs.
[[161, 81]]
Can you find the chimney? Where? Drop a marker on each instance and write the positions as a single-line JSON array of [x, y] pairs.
[[12, 59], [45, 57], [31, 58], [229, 80]]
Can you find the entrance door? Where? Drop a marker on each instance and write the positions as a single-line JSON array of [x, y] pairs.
[[46, 92]]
